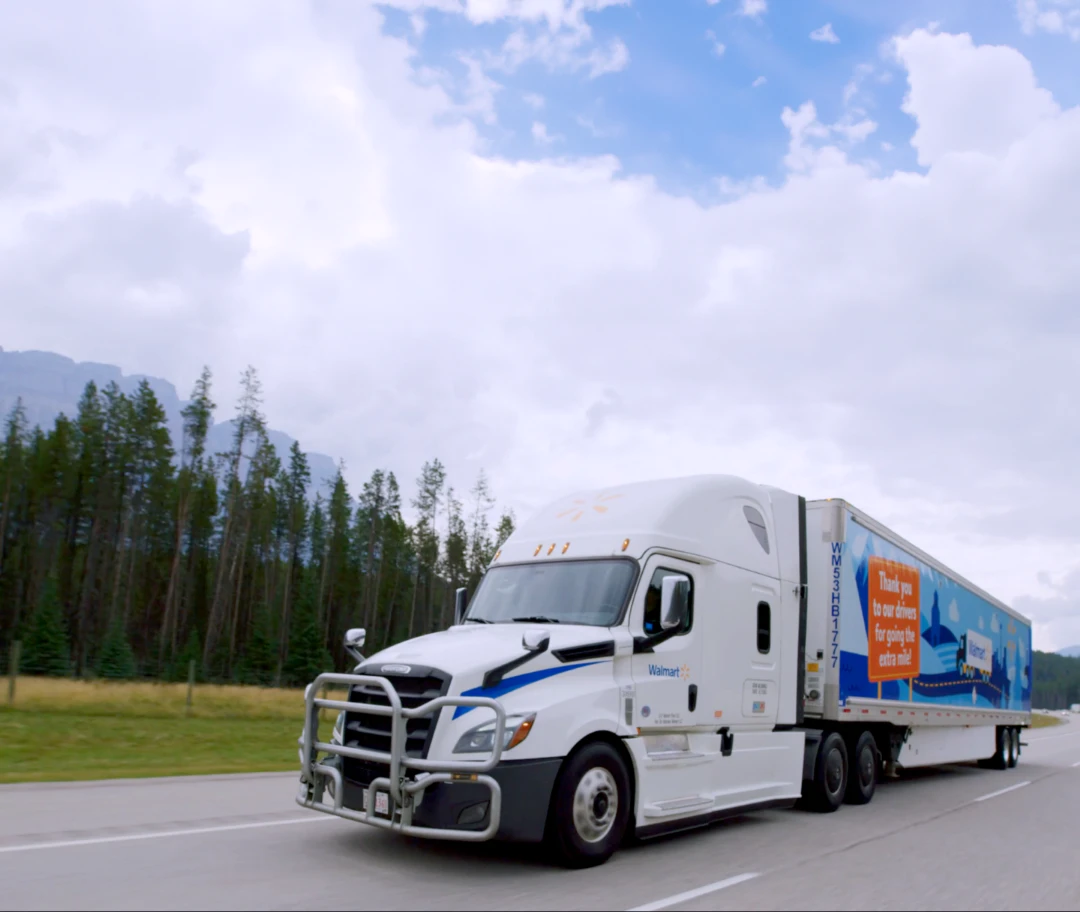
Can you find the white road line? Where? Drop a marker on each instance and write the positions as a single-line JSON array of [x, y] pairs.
[[694, 894], [135, 836], [1011, 788], [1077, 763]]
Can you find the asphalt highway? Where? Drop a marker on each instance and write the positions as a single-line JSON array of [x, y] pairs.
[[954, 838]]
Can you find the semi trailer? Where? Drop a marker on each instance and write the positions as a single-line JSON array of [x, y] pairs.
[[660, 655]]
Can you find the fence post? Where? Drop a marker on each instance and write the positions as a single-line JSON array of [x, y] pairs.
[[190, 684], [13, 669]]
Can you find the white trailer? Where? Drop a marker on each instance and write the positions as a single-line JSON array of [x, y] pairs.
[[657, 656]]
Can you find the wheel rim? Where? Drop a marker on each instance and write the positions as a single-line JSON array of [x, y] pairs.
[[596, 803], [866, 766], [834, 771]]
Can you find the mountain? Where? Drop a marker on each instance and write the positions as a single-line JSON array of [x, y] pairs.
[[1073, 652], [50, 384]]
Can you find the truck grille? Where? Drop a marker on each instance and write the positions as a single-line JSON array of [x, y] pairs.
[[372, 732]]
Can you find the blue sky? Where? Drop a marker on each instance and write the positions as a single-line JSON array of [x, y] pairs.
[[686, 114]]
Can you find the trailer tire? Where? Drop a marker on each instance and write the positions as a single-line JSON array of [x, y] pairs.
[[1013, 755], [590, 806], [863, 771], [1000, 760], [829, 785]]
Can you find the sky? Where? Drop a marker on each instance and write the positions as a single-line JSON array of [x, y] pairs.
[[827, 245]]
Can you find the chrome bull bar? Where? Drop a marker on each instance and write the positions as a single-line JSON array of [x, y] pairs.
[[403, 791]]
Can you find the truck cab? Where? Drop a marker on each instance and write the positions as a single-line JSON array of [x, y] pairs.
[[629, 663]]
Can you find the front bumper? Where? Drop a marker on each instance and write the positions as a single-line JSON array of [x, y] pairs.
[[397, 801]]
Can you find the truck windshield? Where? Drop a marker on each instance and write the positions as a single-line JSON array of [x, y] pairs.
[[589, 592]]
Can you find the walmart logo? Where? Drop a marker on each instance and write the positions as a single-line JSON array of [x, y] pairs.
[[669, 671]]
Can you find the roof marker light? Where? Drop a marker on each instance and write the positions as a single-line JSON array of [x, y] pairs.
[[497, 553], [564, 547], [552, 548], [537, 551], [625, 544]]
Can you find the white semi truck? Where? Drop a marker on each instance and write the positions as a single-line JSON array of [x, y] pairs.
[[660, 655]]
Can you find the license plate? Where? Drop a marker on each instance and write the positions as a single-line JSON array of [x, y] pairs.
[[382, 804]]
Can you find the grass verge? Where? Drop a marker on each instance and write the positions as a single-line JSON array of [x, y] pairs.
[[1044, 720], [63, 730]]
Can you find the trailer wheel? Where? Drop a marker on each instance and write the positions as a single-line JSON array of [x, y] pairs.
[[590, 807], [1013, 737], [830, 780], [863, 775], [1000, 760]]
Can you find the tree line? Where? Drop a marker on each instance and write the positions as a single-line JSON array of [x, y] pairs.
[[121, 557], [1055, 681]]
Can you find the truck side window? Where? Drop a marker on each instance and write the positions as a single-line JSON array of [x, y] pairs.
[[764, 627], [652, 602], [757, 526]]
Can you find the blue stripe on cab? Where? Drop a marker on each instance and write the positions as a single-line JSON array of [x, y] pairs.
[[516, 682]]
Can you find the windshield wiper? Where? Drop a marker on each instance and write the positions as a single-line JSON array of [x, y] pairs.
[[536, 619], [478, 621]]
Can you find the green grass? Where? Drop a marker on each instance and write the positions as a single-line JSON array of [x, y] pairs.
[[1042, 720], [63, 730]]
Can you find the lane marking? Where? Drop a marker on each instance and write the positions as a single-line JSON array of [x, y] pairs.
[[195, 831], [1011, 788], [1076, 764], [694, 894]]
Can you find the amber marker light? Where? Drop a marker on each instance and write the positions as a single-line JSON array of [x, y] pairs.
[[625, 543], [537, 551], [564, 547], [522, 732], [552, 548]]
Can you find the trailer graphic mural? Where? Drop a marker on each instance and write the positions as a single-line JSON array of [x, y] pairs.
[[910, 633]]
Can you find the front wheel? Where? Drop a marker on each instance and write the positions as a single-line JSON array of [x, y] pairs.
[[590, 806]]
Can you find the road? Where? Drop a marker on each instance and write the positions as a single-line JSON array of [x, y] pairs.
[[955, 838]]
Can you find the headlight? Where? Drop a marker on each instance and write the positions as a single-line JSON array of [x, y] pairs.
[[481, 740], [339, 730]]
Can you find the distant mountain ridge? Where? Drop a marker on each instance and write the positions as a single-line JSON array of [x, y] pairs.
[[1073, 652], [49, 384]]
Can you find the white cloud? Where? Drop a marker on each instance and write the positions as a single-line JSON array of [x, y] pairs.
[[1058, 17], [533, 100], [541, 135], [760, 81], [948, 76], [825, 34], [718, 46], [886, 146], [283, 190], [755, 9]]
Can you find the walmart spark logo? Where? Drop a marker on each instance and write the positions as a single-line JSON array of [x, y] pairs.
[[581, 507], [669, 671]]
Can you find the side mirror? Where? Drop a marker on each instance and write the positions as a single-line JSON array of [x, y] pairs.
[[674, 601], [354, 642], [461, 602], [535, 640]]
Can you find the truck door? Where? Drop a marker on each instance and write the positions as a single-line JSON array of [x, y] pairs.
[[668, 678], [753, 625]]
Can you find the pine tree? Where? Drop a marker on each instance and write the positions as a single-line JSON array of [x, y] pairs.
[[308, 655], [117, 659], [45, 646]]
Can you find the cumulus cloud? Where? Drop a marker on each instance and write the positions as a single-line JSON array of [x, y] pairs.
[[754, 9], [1058, 17], [825, 34], [287, 186]]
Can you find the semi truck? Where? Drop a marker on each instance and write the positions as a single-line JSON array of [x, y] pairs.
[[660, 655]]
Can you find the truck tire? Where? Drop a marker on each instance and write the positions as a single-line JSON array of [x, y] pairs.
[[1013, 755], [829, 785], [590, 806], [863, 772], [1000, 760]]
